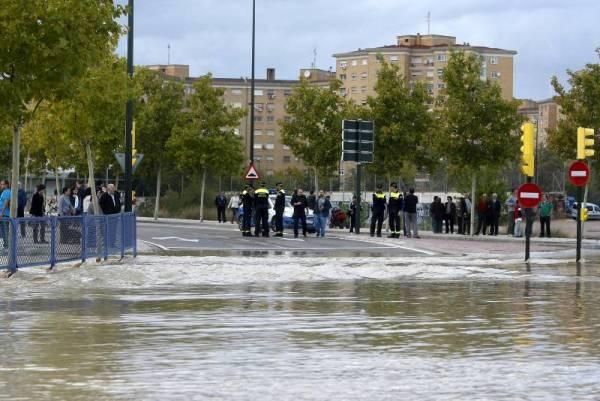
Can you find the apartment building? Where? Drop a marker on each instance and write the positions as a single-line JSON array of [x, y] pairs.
[[544, 113], [420, 58]]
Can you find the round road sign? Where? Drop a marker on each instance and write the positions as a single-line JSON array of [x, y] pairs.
[[530, 195], [579, 173]]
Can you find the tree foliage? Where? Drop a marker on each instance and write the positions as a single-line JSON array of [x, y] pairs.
[[313, 132], [403, 122], [580, 106], [478, 127]]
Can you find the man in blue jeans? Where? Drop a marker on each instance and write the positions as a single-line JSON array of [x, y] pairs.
[[322, 209], [4, 211]]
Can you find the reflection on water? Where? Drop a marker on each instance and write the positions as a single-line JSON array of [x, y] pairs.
[[395, 339]]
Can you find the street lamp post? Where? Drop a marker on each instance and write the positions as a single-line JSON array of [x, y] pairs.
[[129, 114], [252, 83]]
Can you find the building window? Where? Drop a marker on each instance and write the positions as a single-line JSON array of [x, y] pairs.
[[271, 94], [430, 89], [236, 131], [354, 63], [393, 59], [343, 64], [287, 159], [270, 132], [258, 132], [429, 74], [269, 158], [285, 147], [494, 60], [441, 86], [236, 92], [269, 146], [258, 146], [287, 92], [236, 105], [354, 76], [343, 76], [364, 102], [270, 119], [258, 92], [364, 75], [363, 89], [258, 158], [354, 90], [429, 62], [259, 107], [342, 91], [365, 62], [415, 60], [441, 57], [440, 72], [257, 118], [495, 74], [270, 107]]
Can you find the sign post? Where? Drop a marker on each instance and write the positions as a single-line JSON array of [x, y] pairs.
[[529, 195], [579, 175], [358, 145]]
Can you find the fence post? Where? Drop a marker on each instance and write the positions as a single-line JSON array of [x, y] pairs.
[[134, 233], [53, 223], [106, 239], [122, 219], [83, 238], [12, 258]]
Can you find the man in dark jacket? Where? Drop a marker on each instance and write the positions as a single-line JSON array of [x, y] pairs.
[[410, 210], [261, 204], [110, 201], [450, 215], [378, 209], [482, 215], [300, 204], [352, 212], [495, 209], [221, 205], [311, 201], [394, 209], [248, 205], [38, 209], [279, 209]]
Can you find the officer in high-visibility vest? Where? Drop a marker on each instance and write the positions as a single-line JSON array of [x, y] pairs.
[[394, 208], [261, 204], [279, 209], [248, 205], [378, 209]]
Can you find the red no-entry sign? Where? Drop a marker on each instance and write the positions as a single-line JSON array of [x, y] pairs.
[[579, 173], [530, 195]]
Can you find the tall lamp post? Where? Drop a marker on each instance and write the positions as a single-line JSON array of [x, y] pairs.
[[129, 113], [252, 83]]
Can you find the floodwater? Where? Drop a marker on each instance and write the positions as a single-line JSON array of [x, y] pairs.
[[279, 328]]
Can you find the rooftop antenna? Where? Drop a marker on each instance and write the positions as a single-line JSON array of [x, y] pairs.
[[428, 22], [169, 54]]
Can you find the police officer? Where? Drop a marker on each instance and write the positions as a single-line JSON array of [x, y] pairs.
[[378, 209], [261, 204], [279, 209], [248, 205], [394, 208]]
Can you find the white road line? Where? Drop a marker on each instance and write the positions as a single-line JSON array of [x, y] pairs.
[[280, 249], [164, 248], [176, 238], [396, 246]]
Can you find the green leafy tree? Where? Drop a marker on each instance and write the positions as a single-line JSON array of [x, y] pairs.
[[313, 132], [478, 127], [45, 45], [403, 123], [157, 114], [204, 139], [580, 106]]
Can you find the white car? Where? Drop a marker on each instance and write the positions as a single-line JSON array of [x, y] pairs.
[[593, 211]]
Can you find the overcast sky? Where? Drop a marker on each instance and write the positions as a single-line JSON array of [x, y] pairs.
[[214, 35]]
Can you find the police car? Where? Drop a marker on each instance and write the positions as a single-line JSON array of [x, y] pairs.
[[288, 213]]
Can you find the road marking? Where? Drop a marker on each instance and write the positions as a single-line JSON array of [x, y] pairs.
[[292, 239], [164, 248], [395, 246], [176, 238]]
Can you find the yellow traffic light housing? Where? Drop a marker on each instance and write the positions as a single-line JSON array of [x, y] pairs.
[[584, 214], [585, 145], [528, 149]]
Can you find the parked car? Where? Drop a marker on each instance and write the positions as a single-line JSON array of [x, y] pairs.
[[288, 222], [593, 211]]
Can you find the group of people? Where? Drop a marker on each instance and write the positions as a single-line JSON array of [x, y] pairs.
[[401, 208]]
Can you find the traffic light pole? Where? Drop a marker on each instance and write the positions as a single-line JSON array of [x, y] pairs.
[[129, 115], [579, 227], [358, 202], [528, 228]]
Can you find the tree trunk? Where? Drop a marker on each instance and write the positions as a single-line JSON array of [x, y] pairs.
[[57, 183], [473, 202], [316, 181], [16, 148], [91, 181], [157, 200], [26, 172], [202, 194]]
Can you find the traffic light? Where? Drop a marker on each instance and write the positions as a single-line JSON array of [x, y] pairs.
[[584, 214], [528, 150], [584, 145]]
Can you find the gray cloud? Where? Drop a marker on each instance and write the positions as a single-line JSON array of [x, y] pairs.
[[214, 36]]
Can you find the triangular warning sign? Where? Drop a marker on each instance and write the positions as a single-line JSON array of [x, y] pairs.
[[252, 174]]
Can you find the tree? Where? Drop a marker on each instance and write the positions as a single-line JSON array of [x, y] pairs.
[[580, 105], [45, 45], [477, 126], [158, 113], [313, 132], [205, 139], [403, 123]]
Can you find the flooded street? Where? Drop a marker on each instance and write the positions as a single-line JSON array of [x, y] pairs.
[[218, 328]]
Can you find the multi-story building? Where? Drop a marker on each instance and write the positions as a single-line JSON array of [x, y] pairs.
[[544, 113], [419, 58], [270, 154]]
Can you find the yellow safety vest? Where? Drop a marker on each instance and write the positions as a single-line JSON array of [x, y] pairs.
[[380, 195], [394, 195]]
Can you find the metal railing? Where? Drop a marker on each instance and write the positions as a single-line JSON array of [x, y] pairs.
[[46, 241]]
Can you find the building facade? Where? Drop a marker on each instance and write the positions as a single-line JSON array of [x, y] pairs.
[[420, 58], [544, 113]]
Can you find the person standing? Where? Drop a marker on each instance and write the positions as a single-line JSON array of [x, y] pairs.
[[5, 211], [495, 210], [450, 215], [545, 216], [352, 213], [460, 214], [410, 208], [234, 205], [437, 214], [279, 209], [21, 204], [110, 201], [261, 203], [65, 209], [378, 209], [300, 204], [221, 205], [312, 200], [76, 200], [38, 209], [482, 214], [323, 208], [248, 205], [510, 204], [468, 211], [394, 210]]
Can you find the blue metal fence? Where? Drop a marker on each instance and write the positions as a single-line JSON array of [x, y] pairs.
[[46, 241]]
